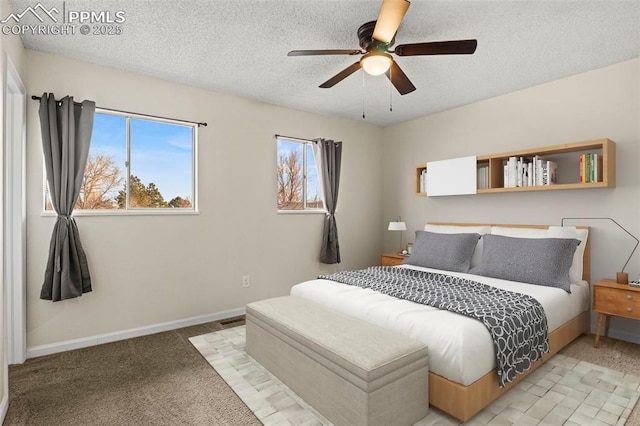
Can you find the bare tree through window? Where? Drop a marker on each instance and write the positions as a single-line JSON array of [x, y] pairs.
[[297, 177], [134, 163]]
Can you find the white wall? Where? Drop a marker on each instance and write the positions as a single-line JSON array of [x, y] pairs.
[[10, 50], [154, 269], [604, 103]]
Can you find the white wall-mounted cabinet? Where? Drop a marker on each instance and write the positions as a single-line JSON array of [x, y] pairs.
[[456, 176]]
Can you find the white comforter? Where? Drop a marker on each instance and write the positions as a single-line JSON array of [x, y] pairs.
[[460, 348]]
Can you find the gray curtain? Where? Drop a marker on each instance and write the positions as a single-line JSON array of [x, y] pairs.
[[329, 171], [66, 133]]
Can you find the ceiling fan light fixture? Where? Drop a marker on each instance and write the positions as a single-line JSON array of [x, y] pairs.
[[376, 39], [376, 63]]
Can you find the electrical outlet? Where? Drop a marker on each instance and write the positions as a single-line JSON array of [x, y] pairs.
[[246, 282]]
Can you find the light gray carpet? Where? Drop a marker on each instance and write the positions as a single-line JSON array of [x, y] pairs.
[[563, 391]]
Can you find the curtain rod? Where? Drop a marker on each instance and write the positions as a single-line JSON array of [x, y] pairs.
[[294, 139], [37, 98]]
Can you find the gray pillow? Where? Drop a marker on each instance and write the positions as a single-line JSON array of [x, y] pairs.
[[541, 261], [449, 252]]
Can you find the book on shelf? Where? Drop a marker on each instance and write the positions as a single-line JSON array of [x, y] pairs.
[[590, 168], [482, 177], [529, 171], [423, 180], [552, 173], [537, 161], [598, 168]]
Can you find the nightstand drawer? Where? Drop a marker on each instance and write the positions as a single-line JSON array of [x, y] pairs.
[[391, 259], [611, 301]]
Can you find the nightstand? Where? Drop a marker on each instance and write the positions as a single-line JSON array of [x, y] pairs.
[[611, 298], [392, 259]]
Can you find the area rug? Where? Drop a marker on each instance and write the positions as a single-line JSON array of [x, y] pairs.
[[563, 391]]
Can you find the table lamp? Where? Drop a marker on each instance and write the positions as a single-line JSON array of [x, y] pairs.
[[398, 225], [621, 277]]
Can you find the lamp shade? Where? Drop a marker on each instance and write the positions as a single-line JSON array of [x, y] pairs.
[[397, 226], [376, 63]]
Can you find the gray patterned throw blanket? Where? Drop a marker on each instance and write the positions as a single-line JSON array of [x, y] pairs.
[[517, 322]]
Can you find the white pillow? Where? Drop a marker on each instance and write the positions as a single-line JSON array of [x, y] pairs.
[[575, 273], [455, 229]]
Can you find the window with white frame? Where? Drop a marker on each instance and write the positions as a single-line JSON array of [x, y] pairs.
[[139, 164], [297, 176]]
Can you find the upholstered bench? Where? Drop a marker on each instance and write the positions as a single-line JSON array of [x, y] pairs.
[[352, 372]]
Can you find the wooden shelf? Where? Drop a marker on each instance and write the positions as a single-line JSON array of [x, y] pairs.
[[568, 168]]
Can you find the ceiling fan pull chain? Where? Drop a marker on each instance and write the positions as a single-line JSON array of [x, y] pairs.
[[390, 93], [363, 116]]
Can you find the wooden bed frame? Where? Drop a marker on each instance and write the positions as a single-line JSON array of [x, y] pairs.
[[463, 402]]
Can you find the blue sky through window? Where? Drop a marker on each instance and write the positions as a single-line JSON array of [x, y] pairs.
[[109, 137], [161, 153]]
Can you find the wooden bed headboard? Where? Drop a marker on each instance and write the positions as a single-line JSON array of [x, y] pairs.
[[586, 258]]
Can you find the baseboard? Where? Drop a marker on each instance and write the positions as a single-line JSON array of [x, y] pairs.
[[4, 406], [616, 334], [621, 335], [85, 342]]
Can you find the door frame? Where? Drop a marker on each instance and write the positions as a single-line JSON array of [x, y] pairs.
[[15, 214]]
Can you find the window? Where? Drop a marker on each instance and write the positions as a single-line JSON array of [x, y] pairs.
[[138, 164], [297, 174]]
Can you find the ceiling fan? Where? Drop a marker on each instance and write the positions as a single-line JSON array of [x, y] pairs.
[[377, 37]]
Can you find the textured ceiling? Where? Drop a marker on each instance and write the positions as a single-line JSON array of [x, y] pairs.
[[240, 47]]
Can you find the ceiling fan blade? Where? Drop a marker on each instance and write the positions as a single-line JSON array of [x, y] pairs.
[[324, 52], [341, 75], [400, 80], [389, 18], [456, 47]]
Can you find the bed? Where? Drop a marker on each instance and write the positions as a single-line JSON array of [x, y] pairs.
[[462, 377]]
